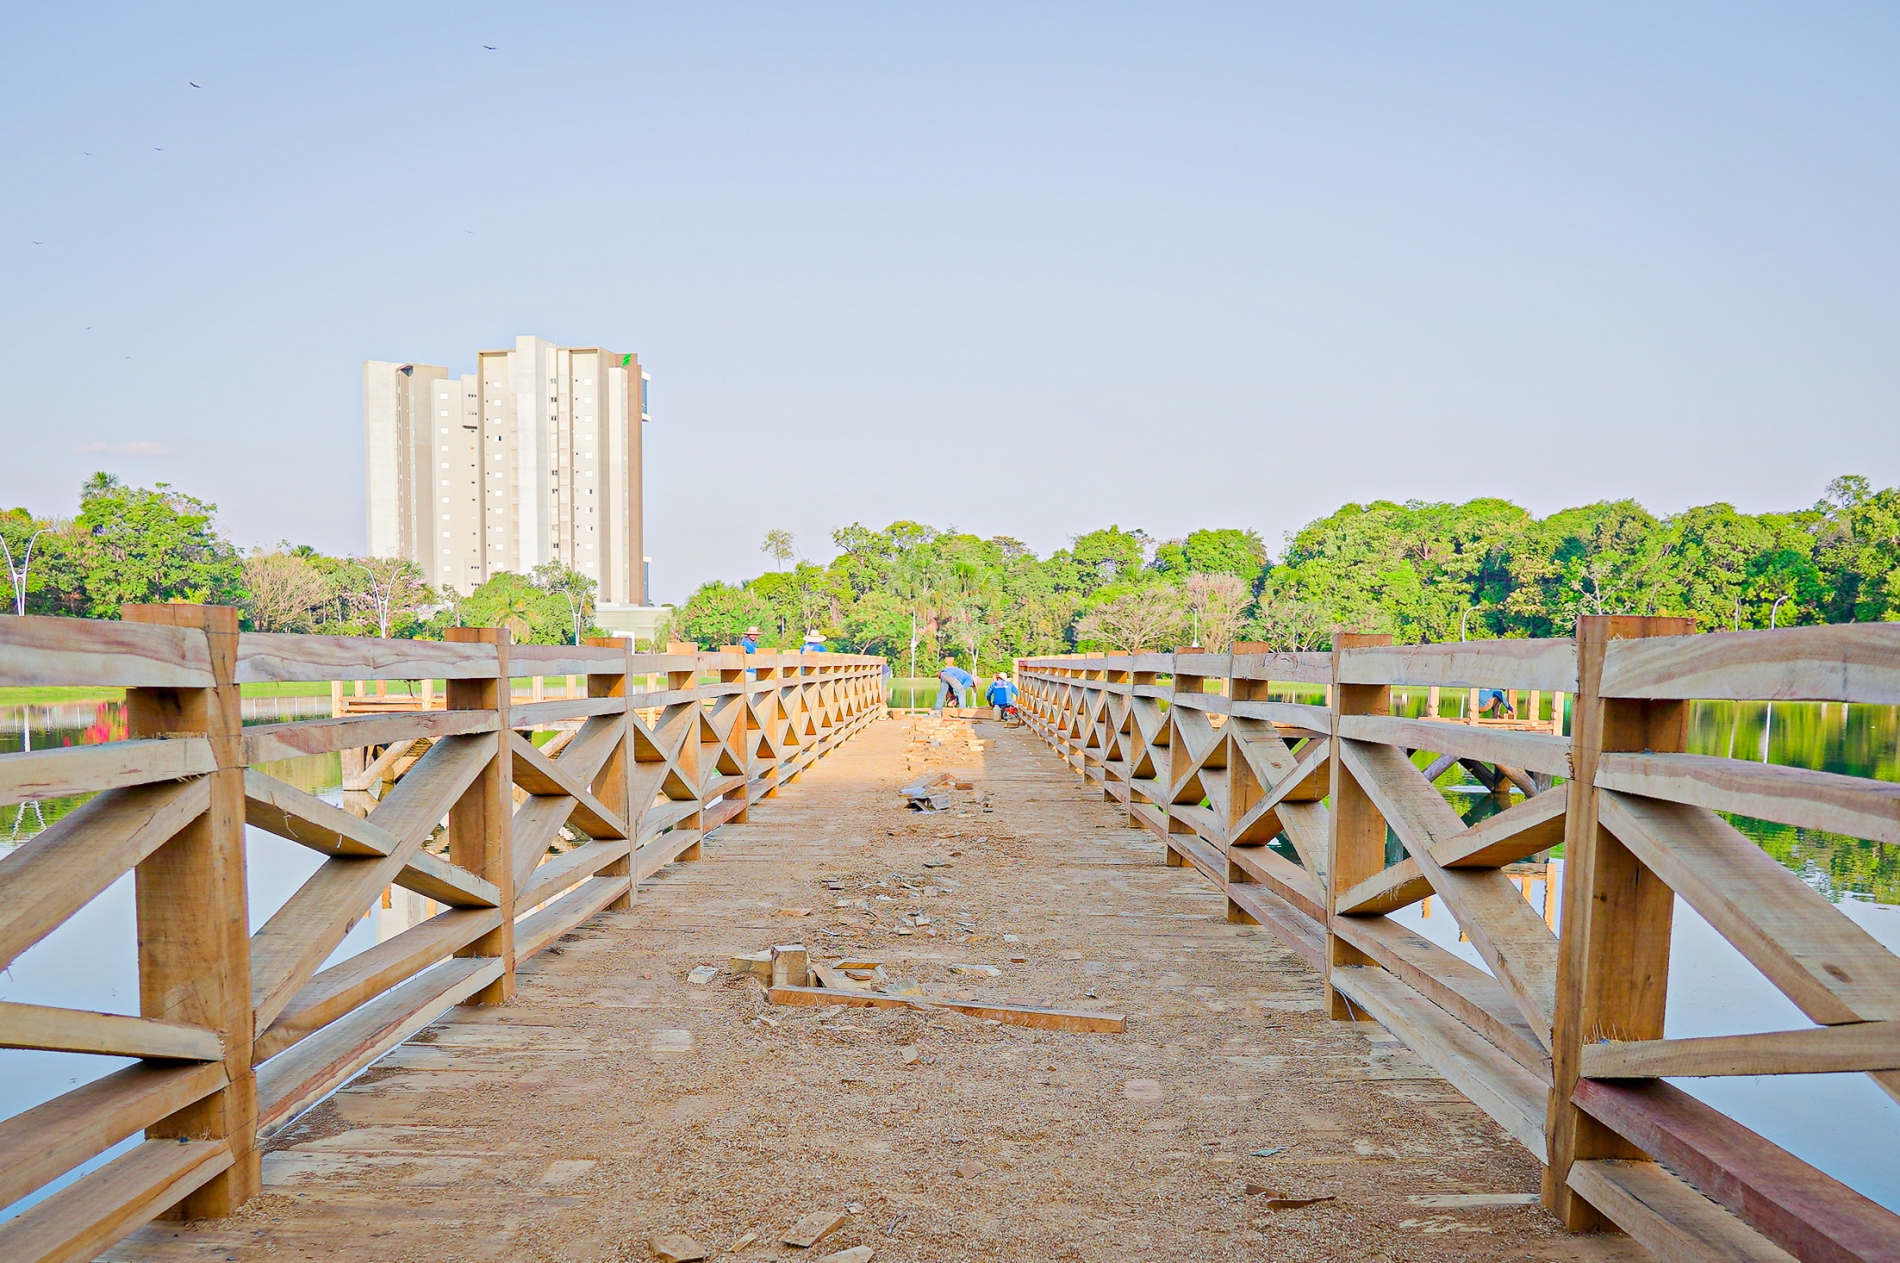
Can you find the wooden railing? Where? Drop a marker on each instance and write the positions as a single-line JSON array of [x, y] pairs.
[[1560, 1038], [238, 1032]]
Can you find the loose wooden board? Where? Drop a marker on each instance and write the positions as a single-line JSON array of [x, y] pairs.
[[1007, 1014]]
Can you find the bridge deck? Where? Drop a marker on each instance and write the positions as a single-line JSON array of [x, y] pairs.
[[612, 1099]]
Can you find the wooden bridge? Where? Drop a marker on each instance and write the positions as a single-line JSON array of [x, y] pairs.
[[1560, 1042]]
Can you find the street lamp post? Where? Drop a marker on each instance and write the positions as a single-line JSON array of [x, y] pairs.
[[17, 574]]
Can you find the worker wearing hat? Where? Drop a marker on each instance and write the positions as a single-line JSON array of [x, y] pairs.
[[814, 643]]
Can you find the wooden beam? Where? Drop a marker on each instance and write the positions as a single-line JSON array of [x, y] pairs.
[[1855, 1046], [1803, 1210], [1613, 961], [542, 776], [1280, 875], [1510, 664], [541, 929], [1533, 751], [1833, 970], [279, 656], [361, 978], [271, 743], [299, 935], [1303, 935], [82, 1219], [70, 770], [560, 710], [193, 908], [1842, 662], [1854, 805], [1509, 934], [1534, 825], [1667, 1217], [1007, 1014], [112, 1034], [307, 820], [49, 1140], [481, 821], [1466, 992], [53, 875], [1356, 844], [1510, 1094], [291, 1083], [569, 868], [42, 650]]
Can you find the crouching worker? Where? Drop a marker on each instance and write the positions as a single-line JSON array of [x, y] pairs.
[[953, 682], [1002, 695]]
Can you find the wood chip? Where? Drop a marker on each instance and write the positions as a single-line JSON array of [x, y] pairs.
[[794, 912], [1142, 1090], [814, 1228], [856, 1254], [1279, 1201], [675, 1247], [970, 1170]]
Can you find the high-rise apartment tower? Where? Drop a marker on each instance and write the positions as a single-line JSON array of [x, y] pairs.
[[533, 457]]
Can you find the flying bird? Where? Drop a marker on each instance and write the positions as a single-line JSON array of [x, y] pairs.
[[489, 47], [192, 84], [158, 149]]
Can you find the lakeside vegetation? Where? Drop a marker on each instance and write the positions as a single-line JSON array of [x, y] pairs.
[[1423, 572], [145, 545]]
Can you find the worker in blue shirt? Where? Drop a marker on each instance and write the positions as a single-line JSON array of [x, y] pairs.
[[814, 643], [953, 681], [1002, 694], [750, 641]]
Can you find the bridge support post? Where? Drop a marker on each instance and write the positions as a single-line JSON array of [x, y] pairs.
[[1356, 844], [481, 821], [614, 783], [1613, 962]]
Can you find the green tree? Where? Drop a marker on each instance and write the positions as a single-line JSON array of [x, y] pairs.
[[718, 614], [138, 546], [575, 589]]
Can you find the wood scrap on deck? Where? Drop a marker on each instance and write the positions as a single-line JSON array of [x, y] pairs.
[[1007, 1014]]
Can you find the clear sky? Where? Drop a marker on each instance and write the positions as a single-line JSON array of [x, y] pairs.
[[1025, 269]]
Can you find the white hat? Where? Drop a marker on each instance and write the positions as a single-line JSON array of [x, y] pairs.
[[812, 635], [751, 631]]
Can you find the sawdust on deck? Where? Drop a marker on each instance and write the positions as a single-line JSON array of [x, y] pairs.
[[613, 1100]]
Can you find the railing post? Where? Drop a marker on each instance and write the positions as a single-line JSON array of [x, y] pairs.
[[194, 931], [1356, 845], [613, 785], [1613, 948], [688, 760], [482, 819]]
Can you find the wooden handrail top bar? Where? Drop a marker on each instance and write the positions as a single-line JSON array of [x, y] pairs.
[[1842, 662], [1549, 665], [277, 656], [41, 650]]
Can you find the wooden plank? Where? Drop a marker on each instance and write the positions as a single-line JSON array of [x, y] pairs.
[[568, 868], [291, 1083], [1301, 715], [1355, 844], [43, 650], [434, 877], [592, 745], [662, 850], [361, 978], [1007, 1014], [532, 933], [1307, 781], [566, 660], [113, 1034], [87, 1216], [1509, 934], [560, 710], [1854, 805], [1843, 662], [1833, 970], [1534, 825], [52, 876], [296, 939], [1303, 935], [537, 822], [1288, 668], [1667, 1217], [1505, 664], [71, 770], [1531, 751], [1466, 992], [1855, 1046], [283, 656], [49, 1140], [1510, 1094], [270, 743], [1282, 876], [1803, 1210], [307, 820], [542, 776]]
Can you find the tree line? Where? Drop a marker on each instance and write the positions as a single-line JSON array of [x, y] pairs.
[[145, 545], [1423, 572]]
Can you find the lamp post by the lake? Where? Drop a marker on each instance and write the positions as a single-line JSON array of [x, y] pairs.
[[17, 574], [1465, 619]]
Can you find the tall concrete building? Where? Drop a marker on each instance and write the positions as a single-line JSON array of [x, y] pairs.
[[535, 456]]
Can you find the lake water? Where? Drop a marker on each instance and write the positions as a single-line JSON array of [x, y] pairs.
[[1841, 1123]]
